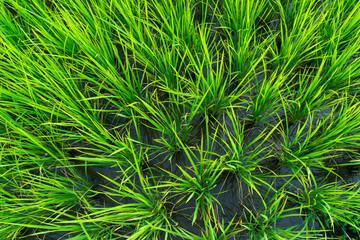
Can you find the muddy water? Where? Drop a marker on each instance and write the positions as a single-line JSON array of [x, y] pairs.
[[236, 197]]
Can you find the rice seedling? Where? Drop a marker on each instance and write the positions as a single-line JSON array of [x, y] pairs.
[[266, 101], [322, 203], [263, 224], [162, 119], [308, 96], [296, 42], [243, 157]]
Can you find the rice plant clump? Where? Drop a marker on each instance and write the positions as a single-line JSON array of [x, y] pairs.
[[186, 119]]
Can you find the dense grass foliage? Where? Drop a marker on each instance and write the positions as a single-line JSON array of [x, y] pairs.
[[179, 119]]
